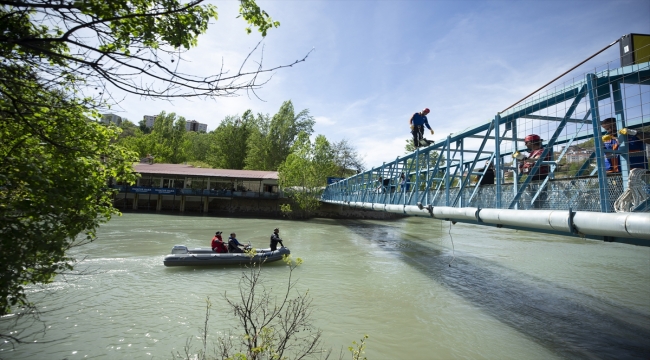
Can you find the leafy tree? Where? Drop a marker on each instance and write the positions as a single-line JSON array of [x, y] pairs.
[[347, 159], [59, 58], [199, 145], [141, 144], [304, 174], [259, 156], [133, 45], [143, 127], [272, 146], [285, 128], [322, 159], [128, 129], [409, 147], [230, 142], [169, 140], [55, 159]]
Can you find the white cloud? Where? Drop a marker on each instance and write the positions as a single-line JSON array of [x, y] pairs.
[[376, 150], [372, 69], [323, 120]]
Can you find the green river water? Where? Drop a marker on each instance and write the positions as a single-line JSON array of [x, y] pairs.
[[507, 294]]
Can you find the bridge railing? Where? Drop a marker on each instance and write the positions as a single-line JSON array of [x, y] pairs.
[[568, 120], [579, 194]]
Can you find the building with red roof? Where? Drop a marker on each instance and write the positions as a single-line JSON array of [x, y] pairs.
[[181, 187]]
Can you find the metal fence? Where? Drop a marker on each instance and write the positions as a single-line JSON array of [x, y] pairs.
[[578, 167], [579, 194]]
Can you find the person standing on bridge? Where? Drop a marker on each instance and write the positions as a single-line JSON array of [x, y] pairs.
[[634, 140], [404, 183], [380, 185], [526, 163], [488, 176], [417, 122]]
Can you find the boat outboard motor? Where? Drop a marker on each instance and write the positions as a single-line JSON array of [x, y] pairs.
[[180, 249]]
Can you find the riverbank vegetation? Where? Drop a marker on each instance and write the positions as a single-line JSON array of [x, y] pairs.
[[303, 175], [268, 326], [281, 142]]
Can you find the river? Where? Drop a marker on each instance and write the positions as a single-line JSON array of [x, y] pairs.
[[419, 288]]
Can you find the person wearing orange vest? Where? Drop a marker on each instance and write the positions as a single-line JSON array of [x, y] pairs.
[[217, 243]]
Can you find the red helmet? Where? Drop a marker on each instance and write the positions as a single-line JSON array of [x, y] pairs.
[[426, 111], [532, 138]]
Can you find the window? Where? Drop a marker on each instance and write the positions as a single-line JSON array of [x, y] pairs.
[[221, 184], [146, 181], [179, 183], [197, 183]]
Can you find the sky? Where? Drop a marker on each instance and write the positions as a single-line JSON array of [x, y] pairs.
[[372, 64]]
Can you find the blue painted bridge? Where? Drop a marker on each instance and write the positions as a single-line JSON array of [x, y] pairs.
[[579, 197]]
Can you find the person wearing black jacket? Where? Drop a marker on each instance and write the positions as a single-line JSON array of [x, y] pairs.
[[488, 177], [275, 239], [234, 245]]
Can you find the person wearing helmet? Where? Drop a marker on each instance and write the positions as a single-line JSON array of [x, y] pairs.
[[526, 163], [634, 140], [417, 122], [275, 239]]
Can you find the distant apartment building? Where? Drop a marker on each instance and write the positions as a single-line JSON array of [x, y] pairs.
[[190, 125], [193, 125], [111, 119], [575, 154], [148, 120]]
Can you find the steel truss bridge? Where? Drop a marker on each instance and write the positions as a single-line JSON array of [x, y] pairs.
[[577, 198]]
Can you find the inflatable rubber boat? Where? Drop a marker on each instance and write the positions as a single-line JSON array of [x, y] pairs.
[[182, 256]]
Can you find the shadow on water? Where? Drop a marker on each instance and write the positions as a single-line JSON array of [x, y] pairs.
[[567, 322]]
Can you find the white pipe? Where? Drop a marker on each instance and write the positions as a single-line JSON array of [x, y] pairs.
[[416, 211], [634, 225], [537, 219], [625, 225], [638, 225], [446, 212]]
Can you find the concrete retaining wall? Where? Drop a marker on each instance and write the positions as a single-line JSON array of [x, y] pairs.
[[258, 207]]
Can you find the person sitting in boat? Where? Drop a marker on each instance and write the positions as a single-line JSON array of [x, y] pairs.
[[275, 239], [217, 243], [234, 245]]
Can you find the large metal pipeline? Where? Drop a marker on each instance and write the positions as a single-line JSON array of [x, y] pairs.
[[625, 225]]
